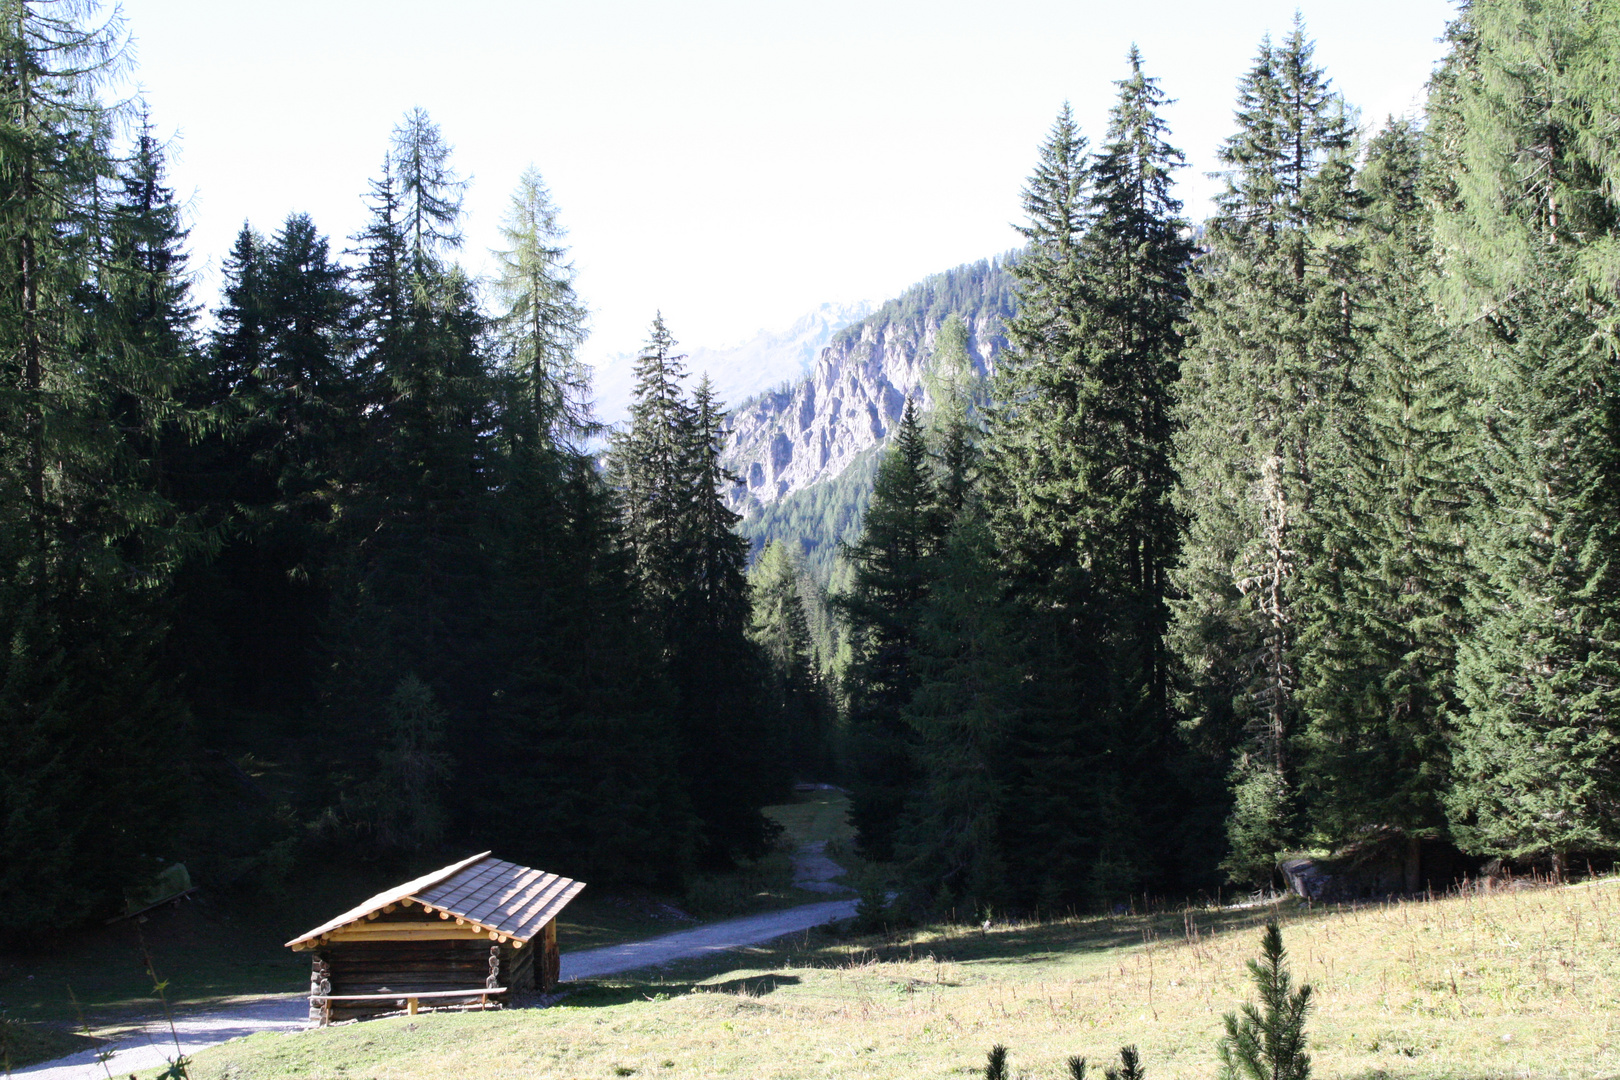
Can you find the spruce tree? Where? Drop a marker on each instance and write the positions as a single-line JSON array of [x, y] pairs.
[[689, 564], [969, 662], [1267, 1042], [1261, 402], [1080, 489], [94, 331], [780, 628], [881, 609], [418, 527], [1384, 614], [1527, 214], [737, 759], [648, 464]]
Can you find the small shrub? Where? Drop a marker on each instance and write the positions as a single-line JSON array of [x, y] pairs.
[[872, 908], [996, 1067], [1268, 1043], [1130, 1066]]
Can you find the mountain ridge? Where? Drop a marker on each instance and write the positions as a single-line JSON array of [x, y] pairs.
[[788, 440]]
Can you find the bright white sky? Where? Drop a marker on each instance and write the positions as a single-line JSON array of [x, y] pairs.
[[732, 163]]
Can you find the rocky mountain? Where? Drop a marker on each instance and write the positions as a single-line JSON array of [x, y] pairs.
[[770, 359], [787, 441]]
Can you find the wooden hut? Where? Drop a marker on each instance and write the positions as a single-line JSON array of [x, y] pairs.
[[470, 933]]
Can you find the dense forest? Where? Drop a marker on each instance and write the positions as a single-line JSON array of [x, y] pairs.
[[1294, 533], [1298, 531], [340, 572]]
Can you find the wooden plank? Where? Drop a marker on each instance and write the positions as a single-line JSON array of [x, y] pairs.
[[373, 932], [472, 899], [480, 992]]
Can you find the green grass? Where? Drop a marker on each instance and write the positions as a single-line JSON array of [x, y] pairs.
[[813, 816], [23, 1044], [1522, 984], [206, 955]]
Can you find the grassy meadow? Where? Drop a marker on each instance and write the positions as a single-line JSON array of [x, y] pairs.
[[1519, 983]]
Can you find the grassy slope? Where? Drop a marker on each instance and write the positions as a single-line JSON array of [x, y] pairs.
[[813, 816], [1514, 984]]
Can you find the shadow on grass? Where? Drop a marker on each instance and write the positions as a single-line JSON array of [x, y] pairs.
[[1036, 942], [599, 995], [23, 1044]]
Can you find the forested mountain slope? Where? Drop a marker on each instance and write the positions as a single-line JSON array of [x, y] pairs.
[[785, 442]]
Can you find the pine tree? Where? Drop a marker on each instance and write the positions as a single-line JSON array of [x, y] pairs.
[[1527, 215], [1261, 404], [1268, 1042], [1379, 642]]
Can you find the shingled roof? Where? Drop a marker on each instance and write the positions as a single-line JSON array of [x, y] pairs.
[[494, 895]]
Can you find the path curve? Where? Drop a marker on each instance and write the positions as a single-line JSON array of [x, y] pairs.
[[702, 940], [152, 1047]]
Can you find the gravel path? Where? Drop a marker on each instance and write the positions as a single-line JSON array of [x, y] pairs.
[[152, 1046], [716, 937]]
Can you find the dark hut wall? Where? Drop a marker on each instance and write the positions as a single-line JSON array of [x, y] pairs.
[[386, 967]]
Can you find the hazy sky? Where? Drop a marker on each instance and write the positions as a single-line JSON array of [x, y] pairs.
[[732, 163]]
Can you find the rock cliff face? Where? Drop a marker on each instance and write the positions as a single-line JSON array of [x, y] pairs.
[[768, 359], [852, 398]]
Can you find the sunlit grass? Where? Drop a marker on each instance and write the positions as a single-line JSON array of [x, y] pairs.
[[1522, 983]]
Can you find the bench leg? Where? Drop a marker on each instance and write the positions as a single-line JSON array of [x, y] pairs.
[[410, 1006]]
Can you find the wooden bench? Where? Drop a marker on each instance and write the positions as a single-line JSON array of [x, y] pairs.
[[410, 997]]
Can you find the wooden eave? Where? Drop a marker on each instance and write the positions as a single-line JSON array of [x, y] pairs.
[[484, 896]]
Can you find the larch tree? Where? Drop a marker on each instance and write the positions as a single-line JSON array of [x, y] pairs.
[[543, 321]]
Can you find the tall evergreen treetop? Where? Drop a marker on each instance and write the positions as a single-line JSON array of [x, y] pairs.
[[1048, 272], [544, 320], [430, 190], [881, 608], [648, 463]]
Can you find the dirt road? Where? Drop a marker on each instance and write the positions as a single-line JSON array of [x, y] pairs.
[[716, 937], [152, 1047]]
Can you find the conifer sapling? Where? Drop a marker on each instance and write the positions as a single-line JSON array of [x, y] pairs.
[[1268, 1043]]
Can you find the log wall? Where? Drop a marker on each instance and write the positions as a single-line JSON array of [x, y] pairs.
[[377, 967]]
